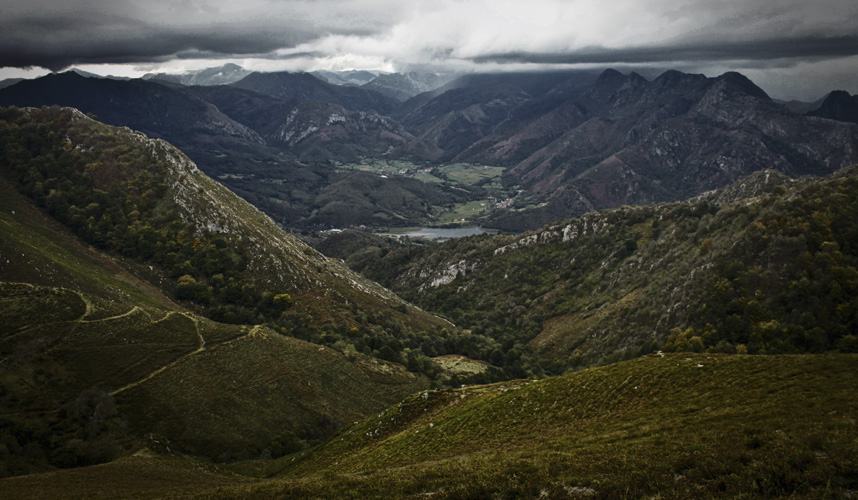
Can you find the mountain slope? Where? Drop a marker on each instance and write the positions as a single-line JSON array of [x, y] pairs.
[[579, 144], [97, 363], [316, 131], [671, 146], [306, 87], [676, 426], [838, 105], [768, 265]]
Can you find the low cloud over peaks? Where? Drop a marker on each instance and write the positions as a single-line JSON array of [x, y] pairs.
[[470, 35]]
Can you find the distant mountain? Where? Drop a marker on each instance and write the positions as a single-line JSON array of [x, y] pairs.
[[802, 107], [353, 77], [318, 131], [465, 110], [152, 108], [9, 82], [840, 106], [403, 86], [574, 146], [222, 75], [88, 74], [306, 87]]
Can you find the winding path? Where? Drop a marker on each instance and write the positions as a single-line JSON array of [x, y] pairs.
[[202, 347], [90, 308]]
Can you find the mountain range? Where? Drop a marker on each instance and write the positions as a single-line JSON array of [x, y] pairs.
[[568, 143], [223, 75]]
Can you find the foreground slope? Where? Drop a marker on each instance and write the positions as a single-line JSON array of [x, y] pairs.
[[672, 426], [97, 357]]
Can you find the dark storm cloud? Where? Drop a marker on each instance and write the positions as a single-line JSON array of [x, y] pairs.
[[463, 35], [55, 44], [774, 50], [56, 35]]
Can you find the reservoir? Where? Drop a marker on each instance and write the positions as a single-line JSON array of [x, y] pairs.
[[442, 234]]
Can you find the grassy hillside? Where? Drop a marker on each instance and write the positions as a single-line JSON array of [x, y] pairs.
[[145, 202], [96, 362], [676, 426], [768, 265], [672, 426]]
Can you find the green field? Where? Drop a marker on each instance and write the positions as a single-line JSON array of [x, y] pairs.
[[465, 212], [481, 179], [471, 175]]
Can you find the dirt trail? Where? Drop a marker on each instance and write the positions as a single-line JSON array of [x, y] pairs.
[[118, 316], [201, 348]]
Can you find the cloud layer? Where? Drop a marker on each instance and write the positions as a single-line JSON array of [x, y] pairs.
[[457, 34]]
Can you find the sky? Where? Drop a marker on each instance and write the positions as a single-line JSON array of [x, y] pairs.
[[793, 49]]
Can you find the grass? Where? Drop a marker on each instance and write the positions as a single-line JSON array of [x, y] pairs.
[[469, 174], [463, 212], [677, 426], [454, 364], [673, 427], [234, 398], [78, 325], [456, 174]]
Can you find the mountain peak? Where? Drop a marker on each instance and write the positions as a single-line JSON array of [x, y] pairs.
[[637, 78], [838, 105], [673, 78], [610, 76], [740, 82]]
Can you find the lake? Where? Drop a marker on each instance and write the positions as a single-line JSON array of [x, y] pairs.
[[442, 234]]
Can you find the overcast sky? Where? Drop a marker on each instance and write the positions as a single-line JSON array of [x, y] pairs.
[[792, 48]]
